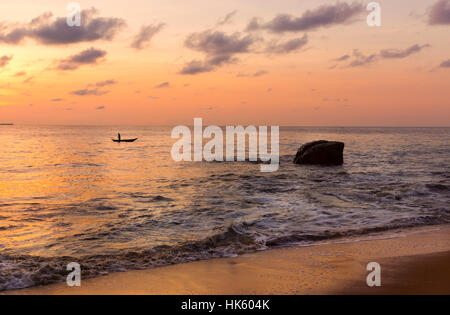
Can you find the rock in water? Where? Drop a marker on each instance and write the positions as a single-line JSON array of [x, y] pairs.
[[321, 152]]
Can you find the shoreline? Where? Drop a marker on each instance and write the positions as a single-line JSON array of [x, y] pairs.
[[413, 261]]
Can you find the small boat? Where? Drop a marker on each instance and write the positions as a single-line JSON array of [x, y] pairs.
[[124, 140]]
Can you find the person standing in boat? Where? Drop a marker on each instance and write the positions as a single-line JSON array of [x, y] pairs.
[[118, 136]]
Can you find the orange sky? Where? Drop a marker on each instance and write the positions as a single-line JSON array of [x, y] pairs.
[[269, 76]]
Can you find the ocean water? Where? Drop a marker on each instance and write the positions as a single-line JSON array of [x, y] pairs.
[[71, 194]]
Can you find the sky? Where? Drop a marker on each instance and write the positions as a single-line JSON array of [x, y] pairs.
[[252, 62]]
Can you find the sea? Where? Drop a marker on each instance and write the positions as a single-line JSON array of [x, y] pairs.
[[70, 194]]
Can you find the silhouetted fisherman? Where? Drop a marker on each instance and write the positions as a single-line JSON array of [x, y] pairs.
[[118, 136]]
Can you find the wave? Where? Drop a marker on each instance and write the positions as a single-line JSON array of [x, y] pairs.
[[21, 271]]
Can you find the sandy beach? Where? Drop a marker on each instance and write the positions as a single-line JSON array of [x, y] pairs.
[[413, 261]]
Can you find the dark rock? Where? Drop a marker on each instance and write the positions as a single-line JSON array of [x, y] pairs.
[[321, 152]]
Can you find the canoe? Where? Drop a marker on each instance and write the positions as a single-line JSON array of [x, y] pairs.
[[124, 140]]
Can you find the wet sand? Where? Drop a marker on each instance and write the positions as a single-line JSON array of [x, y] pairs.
[[414, 261]]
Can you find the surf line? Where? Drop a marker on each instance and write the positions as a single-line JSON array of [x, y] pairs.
[[235, 150]]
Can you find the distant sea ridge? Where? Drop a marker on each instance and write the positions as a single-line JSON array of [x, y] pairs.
[[6, 124]]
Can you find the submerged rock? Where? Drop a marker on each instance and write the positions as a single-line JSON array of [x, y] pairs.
[[321, 152]]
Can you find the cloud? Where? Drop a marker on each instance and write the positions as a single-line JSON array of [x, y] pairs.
[[162, 85], [398, 53], [20, 74], [145, 35], [288, 46], [255, 75], [4, 60], [210, 64], [28, 80], [218, 43], [56, 100], [358, 59], [105, 83], [439, 13], [195, 67], [86, 92], [323, 16], [221, 60], [342, 58], [260, 73], [445, 64], [218, 47], [227, 19], [48, 31], [100, 107], [89, 56]]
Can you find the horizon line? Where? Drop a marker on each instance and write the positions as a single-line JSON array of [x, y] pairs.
[[177, 124]]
